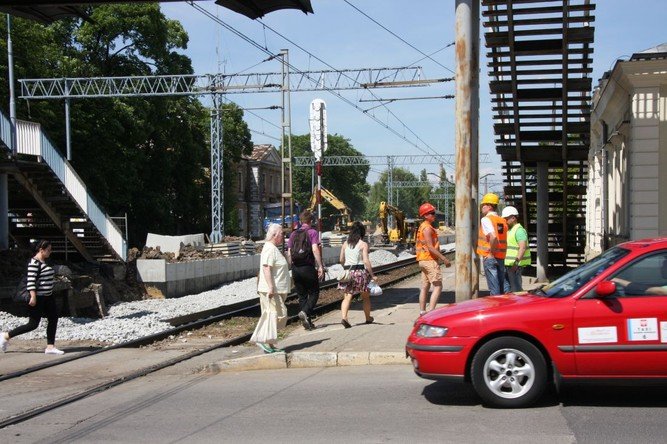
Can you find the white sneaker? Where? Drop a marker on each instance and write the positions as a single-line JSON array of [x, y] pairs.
[[3, 342], [53, 351]]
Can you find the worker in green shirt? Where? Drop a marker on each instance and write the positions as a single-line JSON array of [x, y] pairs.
[[518, 253]]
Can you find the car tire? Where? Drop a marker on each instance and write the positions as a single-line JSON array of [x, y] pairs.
[[509, 372]]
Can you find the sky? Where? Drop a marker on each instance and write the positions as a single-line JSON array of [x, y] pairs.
[[342, 37]]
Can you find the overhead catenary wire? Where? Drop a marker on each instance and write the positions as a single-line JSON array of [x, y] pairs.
[[398, 37], [293, 68], [351, 103]]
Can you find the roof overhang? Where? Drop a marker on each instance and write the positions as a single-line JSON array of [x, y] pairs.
[[49, 11]]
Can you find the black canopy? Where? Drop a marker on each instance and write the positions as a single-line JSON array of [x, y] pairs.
[[49, 11]]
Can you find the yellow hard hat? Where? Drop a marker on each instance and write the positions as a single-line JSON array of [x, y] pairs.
[[490, 198]]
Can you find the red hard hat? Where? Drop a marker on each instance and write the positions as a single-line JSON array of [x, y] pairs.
[[426, 208]]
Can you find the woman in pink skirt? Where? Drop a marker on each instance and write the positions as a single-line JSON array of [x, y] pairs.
[[354, 257]]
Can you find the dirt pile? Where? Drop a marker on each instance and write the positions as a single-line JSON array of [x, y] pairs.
[[187, 253]]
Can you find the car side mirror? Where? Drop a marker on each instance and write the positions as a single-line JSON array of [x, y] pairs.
[[605, 288]]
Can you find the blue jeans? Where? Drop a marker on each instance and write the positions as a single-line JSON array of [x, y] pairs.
[[513, 280], [494, 270]]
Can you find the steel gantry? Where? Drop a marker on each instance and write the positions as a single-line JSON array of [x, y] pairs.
[[389, 162], [220, 84], [193, 84]]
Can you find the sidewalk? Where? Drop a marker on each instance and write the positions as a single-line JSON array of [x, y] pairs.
[[330, 344]]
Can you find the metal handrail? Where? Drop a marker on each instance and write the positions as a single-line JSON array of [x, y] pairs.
[[31, 140]]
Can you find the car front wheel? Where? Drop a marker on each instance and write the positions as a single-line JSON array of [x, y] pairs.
[[509, 372]]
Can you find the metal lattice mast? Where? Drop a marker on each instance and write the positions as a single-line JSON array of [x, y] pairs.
[[286, 139], [217, 173]]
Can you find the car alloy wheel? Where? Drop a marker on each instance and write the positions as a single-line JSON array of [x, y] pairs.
[[509, 372]]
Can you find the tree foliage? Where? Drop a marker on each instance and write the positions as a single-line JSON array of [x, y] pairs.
[[148, 157], [406, 199], [347, 183]]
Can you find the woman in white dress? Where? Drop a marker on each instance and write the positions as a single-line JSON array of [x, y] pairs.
[[273, 286]]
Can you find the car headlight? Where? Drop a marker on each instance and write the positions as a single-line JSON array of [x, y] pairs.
[[431, 331]]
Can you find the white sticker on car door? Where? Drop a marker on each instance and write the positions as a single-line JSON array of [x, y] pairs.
[[597, 335], [643, 329], [663, 331]]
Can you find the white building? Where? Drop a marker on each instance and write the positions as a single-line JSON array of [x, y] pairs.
[[627, 180]]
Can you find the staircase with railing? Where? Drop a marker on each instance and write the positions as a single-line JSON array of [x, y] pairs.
[[48, 200]]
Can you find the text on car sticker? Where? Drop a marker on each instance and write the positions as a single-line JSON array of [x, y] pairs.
[[663, 331], [643, 329], [597, 335]]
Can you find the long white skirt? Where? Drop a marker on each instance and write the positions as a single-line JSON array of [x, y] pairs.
[[274, 317]]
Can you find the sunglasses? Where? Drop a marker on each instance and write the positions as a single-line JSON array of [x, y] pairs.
[[432, 213]]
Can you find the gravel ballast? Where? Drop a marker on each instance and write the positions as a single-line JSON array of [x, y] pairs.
[[132, 320]]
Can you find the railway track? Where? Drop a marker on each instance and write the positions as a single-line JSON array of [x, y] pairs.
[[182, 324]]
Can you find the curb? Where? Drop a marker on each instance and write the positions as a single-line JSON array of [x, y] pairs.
[[307, 360]]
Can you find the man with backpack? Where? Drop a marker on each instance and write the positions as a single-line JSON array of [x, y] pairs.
[[305, 258]]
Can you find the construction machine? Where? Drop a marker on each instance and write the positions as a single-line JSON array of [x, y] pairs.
[[404, 233], [344, 219]]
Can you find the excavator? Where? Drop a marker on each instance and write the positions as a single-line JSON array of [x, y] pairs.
[[405, 232], [344, 219]]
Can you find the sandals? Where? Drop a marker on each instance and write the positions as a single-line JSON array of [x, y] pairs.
[[348, 325]]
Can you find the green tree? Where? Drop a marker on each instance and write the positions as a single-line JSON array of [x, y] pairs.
[[148, 157], [406, 199], [347, 183]]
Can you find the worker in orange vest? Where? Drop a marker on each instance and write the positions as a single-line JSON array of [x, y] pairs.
[[492, 244], [427, 247]]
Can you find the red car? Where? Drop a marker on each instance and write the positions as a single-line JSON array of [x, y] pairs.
[[605, 320]]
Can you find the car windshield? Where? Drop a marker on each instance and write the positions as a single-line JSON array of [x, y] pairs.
[[575, 279]]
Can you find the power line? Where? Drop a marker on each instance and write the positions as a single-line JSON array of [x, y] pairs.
[[397, 36], [352, 104], [292, 67], [264, 134], [433, 53]]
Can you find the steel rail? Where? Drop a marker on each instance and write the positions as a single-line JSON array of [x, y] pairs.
[[28, 414], [183, 323]]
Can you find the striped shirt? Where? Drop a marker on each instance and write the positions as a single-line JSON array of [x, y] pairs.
[[44, 285]]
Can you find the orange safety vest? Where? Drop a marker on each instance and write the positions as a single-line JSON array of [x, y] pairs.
[[420, 246], [500, 228]]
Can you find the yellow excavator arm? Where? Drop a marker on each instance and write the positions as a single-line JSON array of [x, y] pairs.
[[397, 234], [345, 212]]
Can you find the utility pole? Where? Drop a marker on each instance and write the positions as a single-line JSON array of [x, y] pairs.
[[286, 139], [4, 184], [466, 98]]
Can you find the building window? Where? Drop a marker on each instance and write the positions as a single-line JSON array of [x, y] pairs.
[[242, 226]]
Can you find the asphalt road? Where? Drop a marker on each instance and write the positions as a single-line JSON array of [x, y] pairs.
[[339, 404]]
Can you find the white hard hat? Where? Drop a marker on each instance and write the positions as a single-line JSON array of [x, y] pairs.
[[509, 211]]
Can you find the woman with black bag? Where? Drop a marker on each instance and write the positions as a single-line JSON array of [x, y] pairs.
[[42, 303], [358, 270]]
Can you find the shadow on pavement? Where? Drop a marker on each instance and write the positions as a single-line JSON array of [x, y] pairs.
[[450, 393], [613, 396], [296, 347]]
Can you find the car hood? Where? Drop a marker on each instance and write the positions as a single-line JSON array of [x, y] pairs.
[[481, 305]]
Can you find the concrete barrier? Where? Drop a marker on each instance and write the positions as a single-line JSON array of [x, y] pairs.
[[183, 278]]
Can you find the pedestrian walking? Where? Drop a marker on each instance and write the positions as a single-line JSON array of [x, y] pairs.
[[492, 244], [40, 277], [305, 258], [427, 247], [273, 286], [354, 258], [518, 252]]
